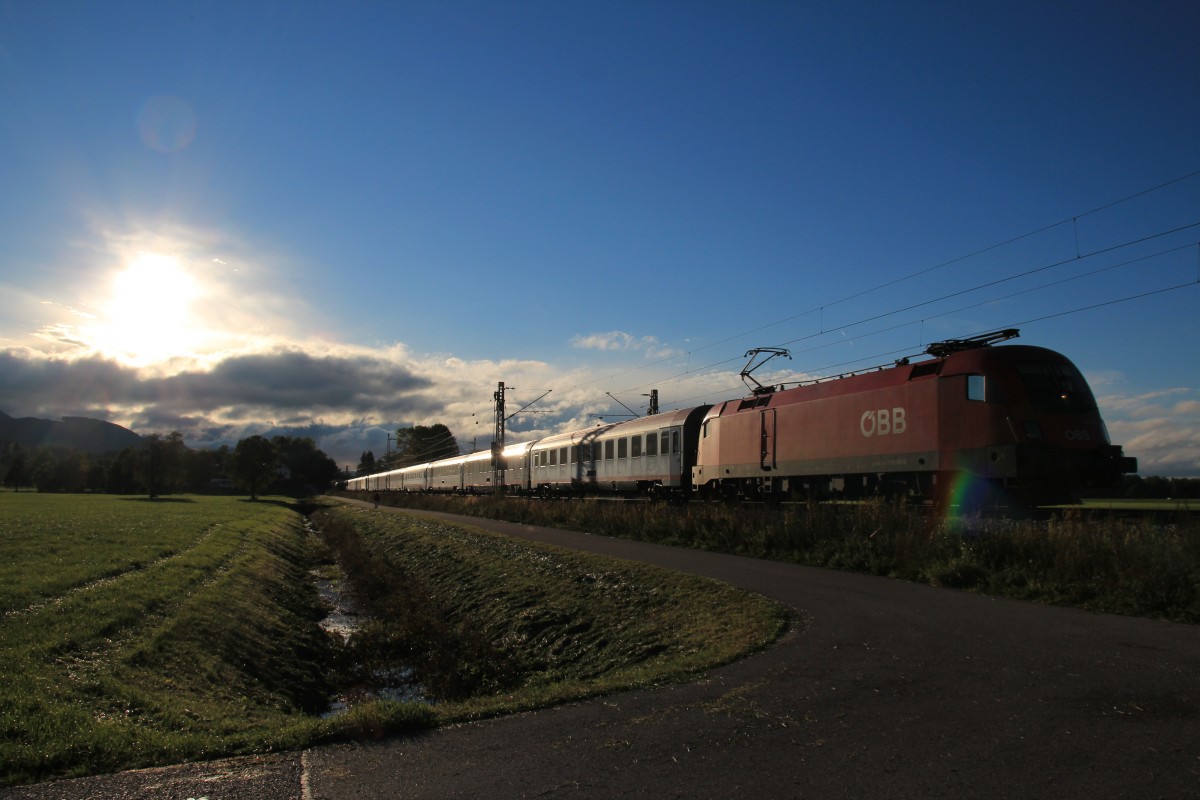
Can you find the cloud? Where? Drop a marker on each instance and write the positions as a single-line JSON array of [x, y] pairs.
[[347, 398], [620, 341], [237, 358], [1161, 428]]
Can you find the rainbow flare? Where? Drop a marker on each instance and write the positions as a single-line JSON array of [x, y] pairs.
[[968, 493]]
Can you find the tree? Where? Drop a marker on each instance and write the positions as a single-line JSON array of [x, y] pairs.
[[307, 470], [254, 463], [56, 470], [161, 463], [422, 443], [122, 474], [202, 467], [366, 463], [18, 471]]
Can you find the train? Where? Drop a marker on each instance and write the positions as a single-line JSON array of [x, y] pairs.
[[977, 423]]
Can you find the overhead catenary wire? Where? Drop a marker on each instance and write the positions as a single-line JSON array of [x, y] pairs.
[[918, 273], [1079, 255]]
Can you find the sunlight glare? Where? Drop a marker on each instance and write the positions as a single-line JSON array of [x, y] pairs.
[[147, 317]]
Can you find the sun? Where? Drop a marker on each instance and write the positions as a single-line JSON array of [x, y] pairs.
[[146, 317]]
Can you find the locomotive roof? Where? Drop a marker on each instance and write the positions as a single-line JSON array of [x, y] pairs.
[[955, 363]]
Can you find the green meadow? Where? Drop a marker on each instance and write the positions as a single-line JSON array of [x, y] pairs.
[[137, 633]]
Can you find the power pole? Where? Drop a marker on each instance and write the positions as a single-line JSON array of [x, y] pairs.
[[498, 440]]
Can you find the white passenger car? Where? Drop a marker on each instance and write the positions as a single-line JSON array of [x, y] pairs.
[[645, 455]]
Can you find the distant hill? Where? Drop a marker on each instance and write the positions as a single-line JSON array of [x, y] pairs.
[[72, 433]]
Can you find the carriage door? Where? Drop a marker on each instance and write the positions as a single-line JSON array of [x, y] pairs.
[[767, 434]]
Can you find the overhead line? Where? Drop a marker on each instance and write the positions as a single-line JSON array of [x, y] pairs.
[[707, 367], [918, 273]]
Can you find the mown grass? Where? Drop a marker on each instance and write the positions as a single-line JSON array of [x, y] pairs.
[[145, 633], [491, 624], [1145, 565], [185, 631]]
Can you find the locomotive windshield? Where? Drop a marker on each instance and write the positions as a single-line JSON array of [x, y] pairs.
[[1057, 387]]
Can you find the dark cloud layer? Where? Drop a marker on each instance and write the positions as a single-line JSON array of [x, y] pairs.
[[292, 381], [284, 392], [285, 382]]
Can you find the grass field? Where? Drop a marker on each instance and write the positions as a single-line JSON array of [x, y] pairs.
[[136, 633]]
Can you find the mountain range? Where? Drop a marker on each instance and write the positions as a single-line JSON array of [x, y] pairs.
[[71, 433]]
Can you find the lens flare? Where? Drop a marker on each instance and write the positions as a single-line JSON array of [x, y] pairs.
[[166, 124], [970, 494]]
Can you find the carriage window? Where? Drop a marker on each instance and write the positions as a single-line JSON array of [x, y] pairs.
[[976, 387], [622, 448], [674, 441], [595, 451], [666, 443], [651, 444], [635, 444], [574, 453], [562, 455], [554, 458], [608, 450]]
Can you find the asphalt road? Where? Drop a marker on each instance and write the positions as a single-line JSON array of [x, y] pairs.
[[882, 689]]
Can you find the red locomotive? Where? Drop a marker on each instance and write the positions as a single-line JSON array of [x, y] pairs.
[[1018, 423], [975, 425]]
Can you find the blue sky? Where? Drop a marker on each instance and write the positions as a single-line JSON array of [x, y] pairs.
[[336, 218]]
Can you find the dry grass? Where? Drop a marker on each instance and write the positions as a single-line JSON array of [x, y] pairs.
[[1145, 565]]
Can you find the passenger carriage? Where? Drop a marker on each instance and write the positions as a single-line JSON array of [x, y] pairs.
[[651, 454]]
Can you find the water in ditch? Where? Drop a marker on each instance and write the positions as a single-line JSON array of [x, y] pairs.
[[343, 619]]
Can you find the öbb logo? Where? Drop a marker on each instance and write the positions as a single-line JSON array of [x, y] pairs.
[[881, 422]]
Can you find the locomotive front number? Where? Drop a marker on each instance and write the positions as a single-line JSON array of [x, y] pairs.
[[881, 422]]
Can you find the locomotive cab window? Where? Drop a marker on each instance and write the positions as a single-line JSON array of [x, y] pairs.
[[1056, 387], [977, 387]]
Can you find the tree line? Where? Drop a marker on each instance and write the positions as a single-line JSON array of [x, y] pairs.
[[1154, 487], [417, 444], [163, 464]]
